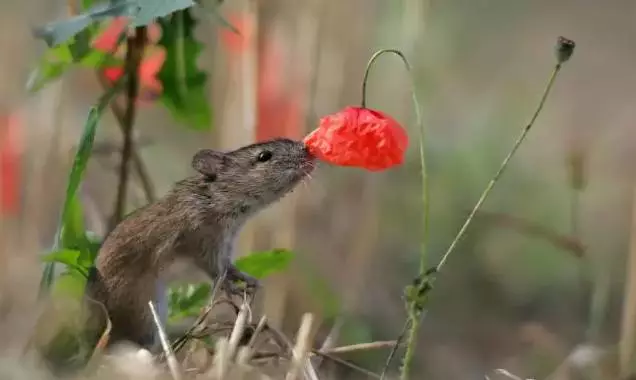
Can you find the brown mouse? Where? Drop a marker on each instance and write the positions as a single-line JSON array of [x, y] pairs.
[[198, 219]]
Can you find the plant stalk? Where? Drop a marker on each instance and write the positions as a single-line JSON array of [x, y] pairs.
[[137, 161], [502, 168], [411, 330], [564, 51], [134, 53]]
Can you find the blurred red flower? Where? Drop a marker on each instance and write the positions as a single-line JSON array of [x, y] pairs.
[[9, 165], [279, 96], [150, 86], [359, 137], [237, 43]]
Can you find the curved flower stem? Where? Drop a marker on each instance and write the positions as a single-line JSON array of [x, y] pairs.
[[411, 325]]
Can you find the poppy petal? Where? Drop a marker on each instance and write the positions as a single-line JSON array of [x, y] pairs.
[[359, 137]]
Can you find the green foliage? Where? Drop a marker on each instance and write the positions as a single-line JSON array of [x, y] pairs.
[[58, 32], [141, 12], [71, 234], [184, 85], [68, 257], [187, 300], [149, 10], [57, 60], [69, 40], [263, 264]]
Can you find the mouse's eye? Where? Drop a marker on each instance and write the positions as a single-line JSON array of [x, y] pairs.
[[264, 156]]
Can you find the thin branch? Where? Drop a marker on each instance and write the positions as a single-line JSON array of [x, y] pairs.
[[359, 347], [502, 167], [398, 341], [345, 363], [137, 160], [257, 331], [134, 53]]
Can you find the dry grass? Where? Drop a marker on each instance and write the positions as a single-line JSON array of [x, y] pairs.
[[238, 346]]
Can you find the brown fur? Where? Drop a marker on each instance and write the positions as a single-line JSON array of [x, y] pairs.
[[197, 220]]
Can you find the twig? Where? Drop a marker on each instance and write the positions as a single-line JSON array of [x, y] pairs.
[[134, 53], [564, 50], [502, 168], [138, 163], [257, 331], [325, 355], [237, 331], [301, 349], [330, 340], [398, 341], [345, 363], [173, 364], [359, 347], [221, 359]]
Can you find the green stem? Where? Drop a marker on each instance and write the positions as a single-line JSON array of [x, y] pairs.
[[411, 330], [502, 168], [415, 310]]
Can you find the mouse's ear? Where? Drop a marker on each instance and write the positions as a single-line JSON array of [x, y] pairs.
[[208, 162]]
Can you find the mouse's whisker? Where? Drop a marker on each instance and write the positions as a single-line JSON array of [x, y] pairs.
[[305, 183]]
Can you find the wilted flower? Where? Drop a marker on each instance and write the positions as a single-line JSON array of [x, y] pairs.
[[359, 137]]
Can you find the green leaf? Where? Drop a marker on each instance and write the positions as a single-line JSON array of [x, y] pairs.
[[45, 73], [65, 256], [57, 60], [94, 244], [262, 264], [70, 284], [68, 257], [56, 33], [184, 85], [149, 10], [187, 300], [77, 171], [74, 233]]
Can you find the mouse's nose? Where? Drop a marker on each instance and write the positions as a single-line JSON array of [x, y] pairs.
[[307, 153]]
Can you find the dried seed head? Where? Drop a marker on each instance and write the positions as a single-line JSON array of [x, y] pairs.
[[564, 49]]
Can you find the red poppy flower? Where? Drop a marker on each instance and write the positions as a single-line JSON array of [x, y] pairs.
[[359, 137]]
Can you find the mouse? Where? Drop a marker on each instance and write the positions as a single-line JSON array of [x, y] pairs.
[[198, 219]]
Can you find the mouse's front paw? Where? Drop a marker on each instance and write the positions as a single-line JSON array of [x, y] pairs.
[[233, 275]]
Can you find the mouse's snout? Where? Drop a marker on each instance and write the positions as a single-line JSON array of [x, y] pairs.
[[308, 160], [307, 153]]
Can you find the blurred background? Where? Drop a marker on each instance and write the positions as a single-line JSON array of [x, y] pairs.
[[542, 283]]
